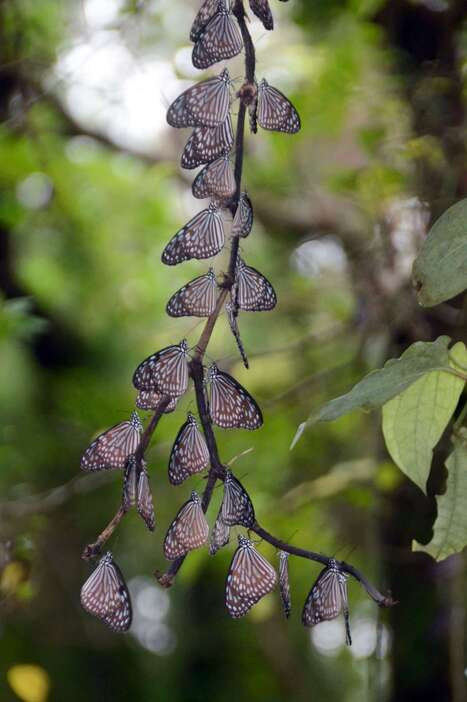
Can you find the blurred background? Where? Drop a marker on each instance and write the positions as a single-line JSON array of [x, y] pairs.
[[90, 192]]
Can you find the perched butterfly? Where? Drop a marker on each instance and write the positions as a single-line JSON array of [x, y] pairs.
[[220, 535], [196, 299], [236, 508], [231, 406], [202, 237], [206, 12], [275, 111], [243, 220], [253, 292], [150, 399], [189, 529], [105, 595], [189, 453], [137, 491], [284, 585], [327, 598], [250, 578], [112, 447], [220, 40], [262, 10], [205, 104], [207, 143], [166, 371], [215, 180], [232, 316]]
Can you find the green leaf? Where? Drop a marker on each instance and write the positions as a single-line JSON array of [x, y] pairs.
[[414, 421], [440, 271], [450, 527]]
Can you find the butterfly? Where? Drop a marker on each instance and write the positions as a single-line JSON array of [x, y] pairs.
[[137, 491], [189, 453], [205, 104], [189, 529], [112, 447], [219, 40], [231, 406], [327, 598], [275, 111], [196, 299], [207, 143], [250, 578], [253, 292], [106, 596], [284, 585], [202, 237], [206, 12], [262, 10], [232, 316], [150, 399], [215, 180], [243, 220], [166, 371], [220, 535], [236, 507]]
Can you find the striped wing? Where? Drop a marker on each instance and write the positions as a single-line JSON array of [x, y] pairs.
[[254, 292], [215, 180], [105, 595], [144, 503], [202, 237], [220, 40], [243, 220], [130, 482], [150, 399], [205, 104], [165, 371], [112, 448], [196, 299], [207, 143], [206, 12], [275, 111], [237, 508], [220, 535], [189, 529], [232, 316], [327, 598], [189, 453], [231, 406], [250, 578], [262, 10], [284, 585]]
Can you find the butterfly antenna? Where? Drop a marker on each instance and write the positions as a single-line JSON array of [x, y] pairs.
[[239, 455]]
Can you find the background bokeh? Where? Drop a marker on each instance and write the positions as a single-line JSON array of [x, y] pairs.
[[90, 192]]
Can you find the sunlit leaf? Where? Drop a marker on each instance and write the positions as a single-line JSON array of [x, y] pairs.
[[29, 682]]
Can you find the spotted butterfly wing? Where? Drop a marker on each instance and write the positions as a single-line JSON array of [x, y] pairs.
[[165, 371], [262, 10], [206, 12], [144, 503], [220, 40], [237, 508], [130, 483], [284, 585], [250, 578], [215, 180], [275, 111], [230, 308], [105, 595], [196, 299], [220, 534], [231, 406], [205, 104], [207, 143], [243, 220], [202, 237], [328, 598], [189, 529], [189, 453], [112, 447], [150, 400], [254, 292]]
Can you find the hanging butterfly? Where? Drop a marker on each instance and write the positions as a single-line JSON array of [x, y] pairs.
[[220, 40], [284, 585], [205, 104], [137, 491], [166, 371], [236, 508], [150, 399], [189, 453], [232, 316], [262, 10], [189, 529], [206, 12], [243, 220], [215, 180], [275, 111], [250, 578], [202, 237], [112, 447], [207, 143], [196, 299], [254, 292], [231, 406], [220, 535], [328, 598], [106, 596]]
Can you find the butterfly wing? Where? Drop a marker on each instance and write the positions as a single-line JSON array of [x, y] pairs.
[[220, 534], [144, 503], [232, 317], [215, 180], [204, 104], [189, 530], [196, 299], [207, 143], [243, 220], [262, 10], [112, 448], [105, 595], [231, 406], [206, 12], [237, 508], [220, 40], [324, 601], [165, 371], [250, 578], [202, 237], [189, 453], [130, 480], [150, 399], [275, 111], [284, 585], [254, 292]]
